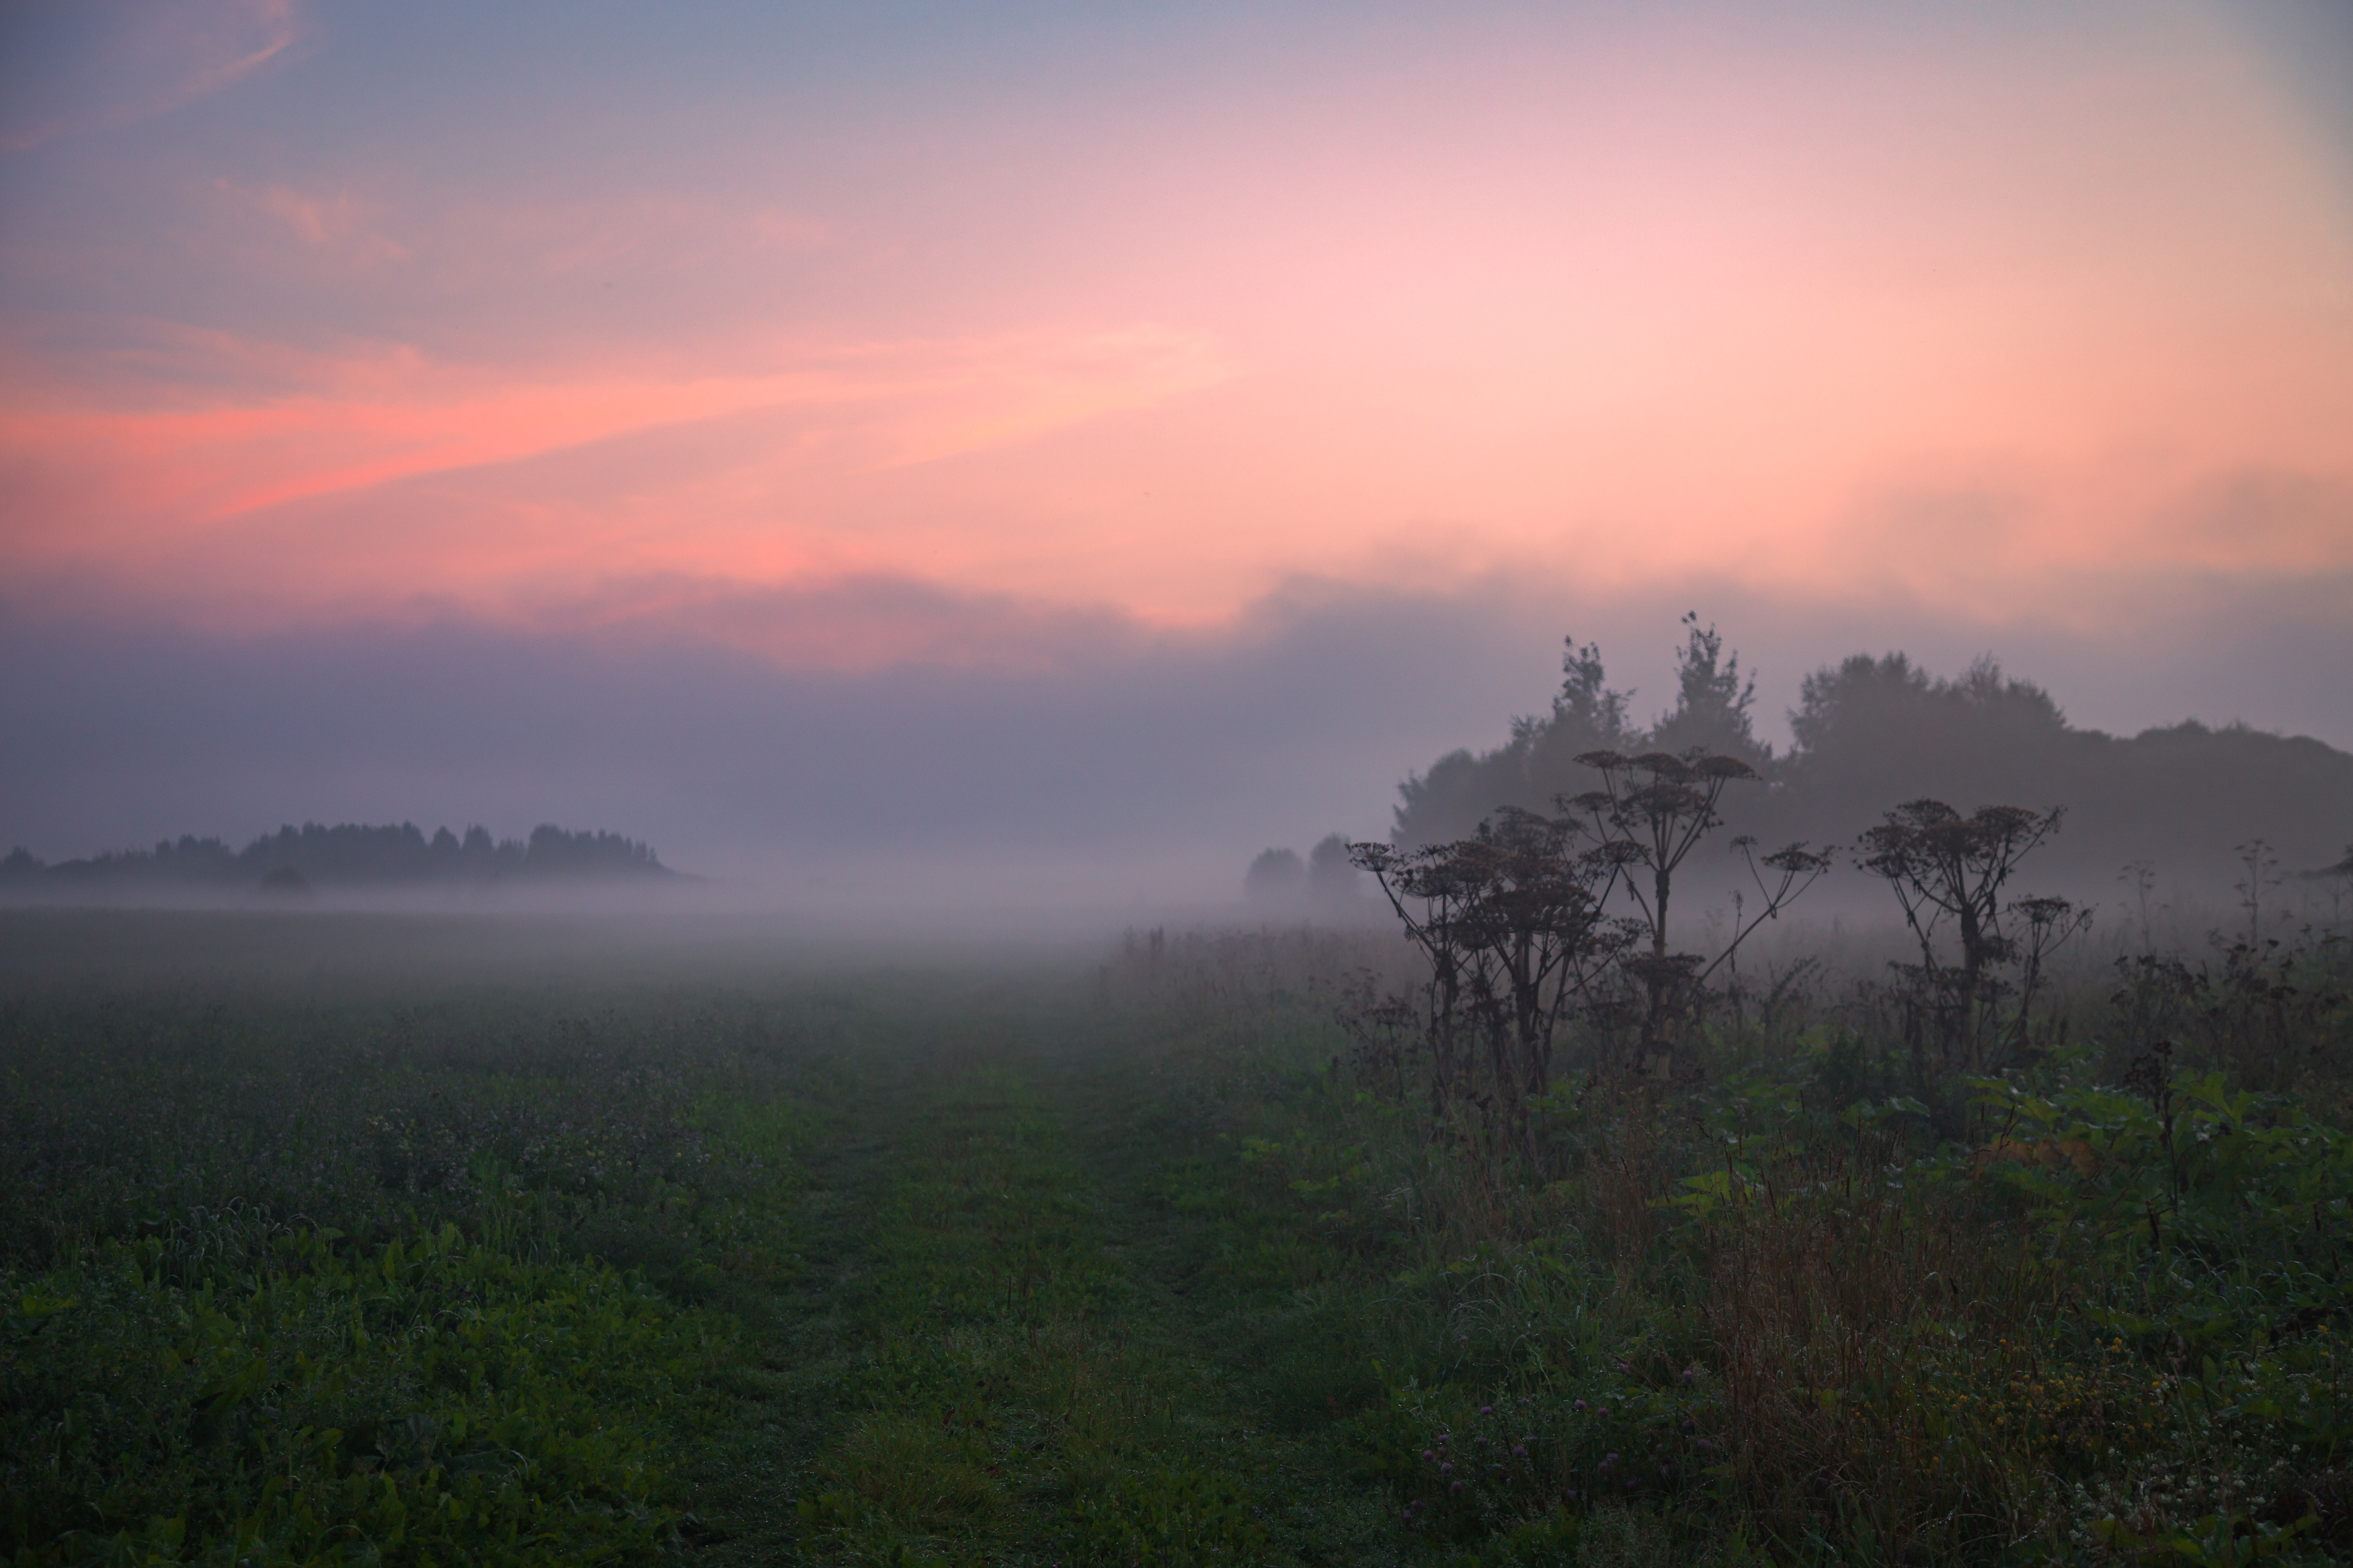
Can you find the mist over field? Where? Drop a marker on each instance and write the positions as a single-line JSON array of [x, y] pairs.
[[1051, 464], [1263, 782], [1122, 771]]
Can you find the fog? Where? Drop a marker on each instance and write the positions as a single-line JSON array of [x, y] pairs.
[[1110, 769]]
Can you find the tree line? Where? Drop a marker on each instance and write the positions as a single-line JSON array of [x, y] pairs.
[[1875, 730], [350, 854], [1534, 922]]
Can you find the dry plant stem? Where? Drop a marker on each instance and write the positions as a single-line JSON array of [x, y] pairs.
[[1649, 814]]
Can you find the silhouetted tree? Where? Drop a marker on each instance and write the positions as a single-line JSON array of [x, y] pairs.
[[1332, 877], [1586, 715], [555, 852], [1276, 876], [1874, 729], [351, 853], [1539, 761], [1712, 702]]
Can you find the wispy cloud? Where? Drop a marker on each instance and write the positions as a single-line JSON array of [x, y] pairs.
[[85, 66], [335, 222], [233, 427]]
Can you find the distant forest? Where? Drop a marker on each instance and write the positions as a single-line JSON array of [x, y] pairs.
[[349, 855], [1873, 733]]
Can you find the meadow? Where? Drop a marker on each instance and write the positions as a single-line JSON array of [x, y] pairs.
[[413, 1239]]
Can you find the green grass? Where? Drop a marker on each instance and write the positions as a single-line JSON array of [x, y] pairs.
[[357, 1244]]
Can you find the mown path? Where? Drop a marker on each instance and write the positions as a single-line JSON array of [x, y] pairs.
[[1018, 1333]]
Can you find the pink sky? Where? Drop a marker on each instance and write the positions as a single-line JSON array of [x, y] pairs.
[[2020, 322]]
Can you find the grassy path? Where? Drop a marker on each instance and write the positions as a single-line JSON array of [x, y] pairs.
[[1016, 1335]]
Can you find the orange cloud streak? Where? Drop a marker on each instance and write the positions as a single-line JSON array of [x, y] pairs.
[[388, 414]]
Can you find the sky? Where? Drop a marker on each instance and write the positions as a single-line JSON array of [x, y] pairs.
[[817, 436]]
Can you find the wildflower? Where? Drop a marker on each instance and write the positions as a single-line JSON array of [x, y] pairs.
[[1430, 1455], [1519, 1451]]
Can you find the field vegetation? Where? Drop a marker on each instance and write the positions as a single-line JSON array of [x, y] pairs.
[[342, 1240]]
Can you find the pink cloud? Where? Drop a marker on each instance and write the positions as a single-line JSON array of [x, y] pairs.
[[1973, 329], [90, 475]]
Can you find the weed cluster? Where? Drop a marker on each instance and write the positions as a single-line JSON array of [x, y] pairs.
[[1824, 1294]]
